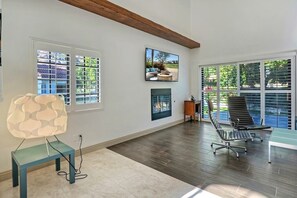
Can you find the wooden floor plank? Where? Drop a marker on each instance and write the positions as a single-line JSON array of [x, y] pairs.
[[184, 152]]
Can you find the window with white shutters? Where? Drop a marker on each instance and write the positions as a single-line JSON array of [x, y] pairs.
[[71, 72], [268, 86]]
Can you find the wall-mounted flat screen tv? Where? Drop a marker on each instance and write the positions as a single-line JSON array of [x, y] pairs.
[[161, 66]]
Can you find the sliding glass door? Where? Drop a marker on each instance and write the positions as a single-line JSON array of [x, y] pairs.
[[268, 85], [218, 83]]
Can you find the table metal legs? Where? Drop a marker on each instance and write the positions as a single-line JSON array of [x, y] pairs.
[[71, 169], [23, 171], [23, 178], [23, 174], [58, 164], [23, 182], [15, 173]]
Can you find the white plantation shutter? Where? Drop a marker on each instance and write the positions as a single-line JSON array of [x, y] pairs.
[[209, 87], [278, 97], [87, 80], [206, 96], [227, 87], [209, 78], [249, 76], [69, 71], [278, 74], [250, 88], [278, 110], [53, 73]]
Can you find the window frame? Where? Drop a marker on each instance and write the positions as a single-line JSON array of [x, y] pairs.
[[262, 91], [72, 51]]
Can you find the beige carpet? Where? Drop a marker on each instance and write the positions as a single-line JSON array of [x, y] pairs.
[[109, 175]]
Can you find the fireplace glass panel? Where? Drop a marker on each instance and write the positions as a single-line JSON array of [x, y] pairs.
[[161, 103]]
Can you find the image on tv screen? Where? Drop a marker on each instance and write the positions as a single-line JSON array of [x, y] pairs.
[[161, 66]]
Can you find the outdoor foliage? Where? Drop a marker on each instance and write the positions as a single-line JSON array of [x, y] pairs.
[[276, 74], [86, 75], [228, 77], [250, 76]]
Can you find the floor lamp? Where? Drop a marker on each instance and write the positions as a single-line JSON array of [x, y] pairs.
[[34, 116]]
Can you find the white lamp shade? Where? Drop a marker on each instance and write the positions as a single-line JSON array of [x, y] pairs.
[[34, 116]]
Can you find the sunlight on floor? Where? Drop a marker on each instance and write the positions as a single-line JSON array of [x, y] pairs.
[[197, 193], [224, 189]]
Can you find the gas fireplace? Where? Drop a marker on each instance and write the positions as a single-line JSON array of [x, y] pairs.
[[160, 103]]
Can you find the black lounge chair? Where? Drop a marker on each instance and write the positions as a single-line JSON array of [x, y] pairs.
[[240, 117], [227, 137]]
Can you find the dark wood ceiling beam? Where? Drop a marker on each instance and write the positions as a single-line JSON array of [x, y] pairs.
[[114, 12]]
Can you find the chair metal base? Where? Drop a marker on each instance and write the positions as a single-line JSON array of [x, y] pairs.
[[227, 145]]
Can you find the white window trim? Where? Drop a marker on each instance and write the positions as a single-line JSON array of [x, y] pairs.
[[72, 51]]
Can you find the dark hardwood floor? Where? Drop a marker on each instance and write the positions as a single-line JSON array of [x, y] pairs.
[[184, 152]]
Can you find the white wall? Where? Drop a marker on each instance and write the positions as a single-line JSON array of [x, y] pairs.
[[235, 29], [126, 94]]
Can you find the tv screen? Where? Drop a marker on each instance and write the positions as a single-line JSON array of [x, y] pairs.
[[161, 66]]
